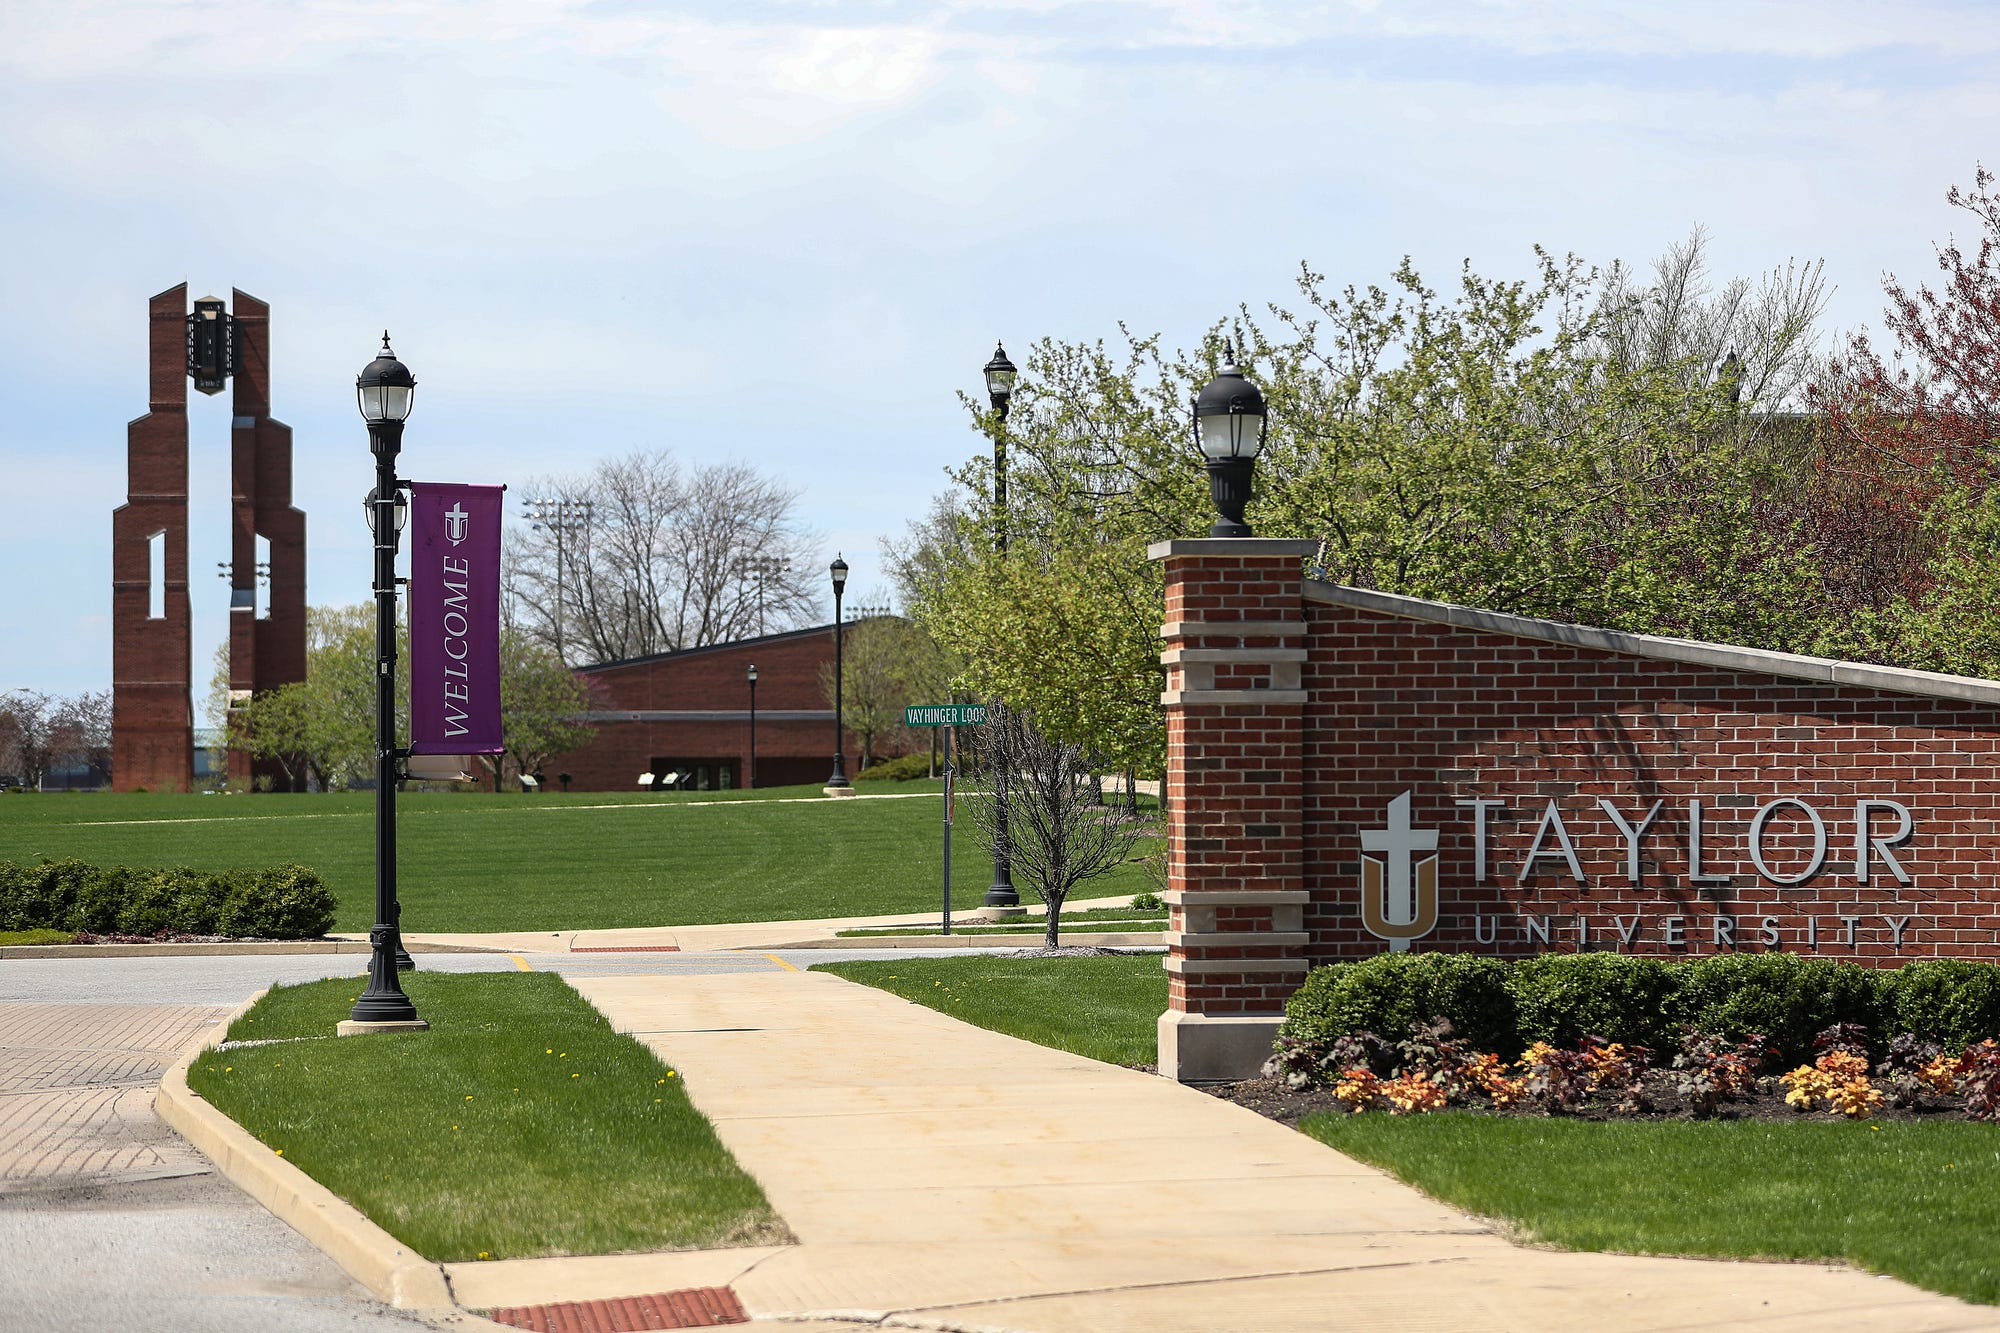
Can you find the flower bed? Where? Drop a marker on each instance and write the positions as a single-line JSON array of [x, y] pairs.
[[1708, 1075]]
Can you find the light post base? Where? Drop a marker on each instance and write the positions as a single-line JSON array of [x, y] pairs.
[[348, 1027], [1003, 911], [840, 791]]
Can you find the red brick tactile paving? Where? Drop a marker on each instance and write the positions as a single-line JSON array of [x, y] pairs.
[[627, 948], [697, 1307]]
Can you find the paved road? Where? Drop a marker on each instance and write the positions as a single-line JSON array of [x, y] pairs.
[[128, 1227]]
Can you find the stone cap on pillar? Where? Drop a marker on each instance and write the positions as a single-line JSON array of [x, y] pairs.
[[1231, 546]]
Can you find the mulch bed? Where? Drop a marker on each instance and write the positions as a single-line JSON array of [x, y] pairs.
[[164, 937], [1271, 1098]]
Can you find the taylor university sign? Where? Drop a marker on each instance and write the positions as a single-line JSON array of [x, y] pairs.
[[1400, 863], [454, 619]]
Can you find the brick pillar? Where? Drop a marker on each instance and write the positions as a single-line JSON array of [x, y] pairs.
[[152, 716], [1236, 941], [269, 650]]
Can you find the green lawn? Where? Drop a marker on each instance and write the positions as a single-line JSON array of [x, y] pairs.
[[485, 862], [520, 1125], [1918, 1200], [1106, 1008]]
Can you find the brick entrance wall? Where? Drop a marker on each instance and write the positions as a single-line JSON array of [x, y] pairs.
[[1409, 725]]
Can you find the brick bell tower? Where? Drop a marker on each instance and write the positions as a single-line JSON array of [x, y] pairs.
[[152, 719]]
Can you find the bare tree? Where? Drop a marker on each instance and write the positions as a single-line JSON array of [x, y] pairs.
[[1055, 838], [80, 733], [1757, 342], [40, 732], [24, 734], [652, 557]]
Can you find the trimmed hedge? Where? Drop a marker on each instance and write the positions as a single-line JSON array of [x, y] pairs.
[[282, 903], [900, 769], [1560, 998]]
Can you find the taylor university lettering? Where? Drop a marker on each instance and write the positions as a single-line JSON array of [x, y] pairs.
[[1679, 931], [1857, 841]]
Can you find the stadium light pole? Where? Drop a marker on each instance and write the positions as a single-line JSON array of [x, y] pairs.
[[385, 389]]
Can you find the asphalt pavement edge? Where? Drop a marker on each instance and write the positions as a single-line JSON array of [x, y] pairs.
[[389, 1269]]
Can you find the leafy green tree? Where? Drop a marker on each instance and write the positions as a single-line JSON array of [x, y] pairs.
[[324, 726], [1561, 446], [886, 663], [542, 703], [321, 728]]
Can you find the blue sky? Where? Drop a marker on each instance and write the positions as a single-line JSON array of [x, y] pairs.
[[788, 233]]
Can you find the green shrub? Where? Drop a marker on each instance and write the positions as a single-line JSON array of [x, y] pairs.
[[283, 903], [13, 898], [1561, 998], [1787, 998], [1148, 902], [1951, 1001], [1393, 993], [161, 901], [41, 897], [100, 900], [900, 769]]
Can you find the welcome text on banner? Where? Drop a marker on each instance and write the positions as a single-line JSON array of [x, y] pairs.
[[454, 618]]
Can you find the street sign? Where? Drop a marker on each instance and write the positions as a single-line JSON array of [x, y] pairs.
[[945, 715]]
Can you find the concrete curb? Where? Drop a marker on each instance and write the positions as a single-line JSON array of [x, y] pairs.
[[246, 947], [392, 1271]]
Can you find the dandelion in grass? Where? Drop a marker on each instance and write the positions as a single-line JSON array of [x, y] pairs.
[[484, 1255]]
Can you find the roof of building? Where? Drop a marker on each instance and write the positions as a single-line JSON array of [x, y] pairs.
[[781, 636]]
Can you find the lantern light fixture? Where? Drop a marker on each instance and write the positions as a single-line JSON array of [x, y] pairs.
[[1230, 419]]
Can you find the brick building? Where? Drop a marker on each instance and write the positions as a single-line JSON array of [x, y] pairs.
[[687, 714], [1352, 771]]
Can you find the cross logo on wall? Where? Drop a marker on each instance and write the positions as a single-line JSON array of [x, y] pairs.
[[1399, 887]]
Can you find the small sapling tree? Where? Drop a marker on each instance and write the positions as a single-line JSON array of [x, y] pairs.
[[1056, 838]]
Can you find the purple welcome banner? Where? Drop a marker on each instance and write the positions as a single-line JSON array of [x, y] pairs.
[[454, 619]]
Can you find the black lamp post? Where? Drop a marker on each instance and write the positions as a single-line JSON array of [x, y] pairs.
[[839, 779], [1229, 421], [750, 779], [385, 389], [1000, 375]]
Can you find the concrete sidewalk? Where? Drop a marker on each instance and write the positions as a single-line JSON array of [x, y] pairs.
[[941, 1176], [736, 935]]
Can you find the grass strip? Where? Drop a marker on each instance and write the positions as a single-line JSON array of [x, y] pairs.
[[1092, 918], [1029, 926], [1917, 1200], [1106, 1007], [36, 937], [519, 1126], [581, 861]]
